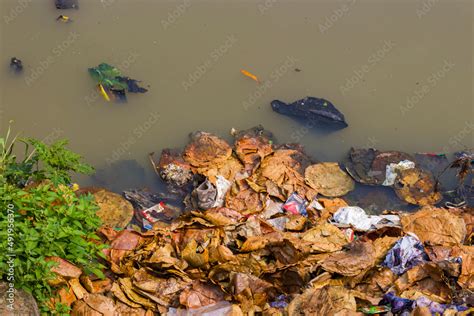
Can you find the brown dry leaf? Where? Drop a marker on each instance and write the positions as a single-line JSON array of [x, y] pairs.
[[289, 280], [241, 197], [438, 253], [65, 296], [206, 149], [435, 291], [467, 213], [165, 256], [325, 238], [285, 252], [330, 207], [222, 216], [165, 288], [224, 254], [376, 283], [296, 222], [125, 242], [161, 304], [195, 255], [200, 294], [417, 186], [254, 243], [360, 257], [435, 226], [114, 210], [64, 268], [123, 309], [147, 281], [328, 300], [249, 288], [425, 279], [101, 303], [228, 169], [251, 151], [328, 179], [127, 287], [466, 279], [120, 295], [422, 311], [284, 168], [77, 288], [382, 246], [80, 308], [417, 273], [98, 286]]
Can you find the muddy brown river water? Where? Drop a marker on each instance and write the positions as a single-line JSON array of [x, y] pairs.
[[400, 71]]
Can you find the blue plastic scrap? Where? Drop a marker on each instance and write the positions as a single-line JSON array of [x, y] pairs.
[[405, 306], [405, 254]]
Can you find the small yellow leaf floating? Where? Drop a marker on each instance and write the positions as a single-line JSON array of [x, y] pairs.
[[250, 75], [63, 18], [103, 92]]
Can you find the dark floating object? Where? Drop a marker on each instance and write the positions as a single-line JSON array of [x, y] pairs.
[[112, 84], [132, 85], [16, 65], [66, 4], [312, 109], [64, 18]]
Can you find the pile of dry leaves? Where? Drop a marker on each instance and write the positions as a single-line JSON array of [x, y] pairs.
[[268, 243]]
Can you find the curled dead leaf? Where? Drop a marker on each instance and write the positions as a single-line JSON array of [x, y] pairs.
[[115, 211], [328, 300], [435, 226], [359, 257], [328, 179]]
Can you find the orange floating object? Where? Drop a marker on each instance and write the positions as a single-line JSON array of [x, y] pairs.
[[250, 75]]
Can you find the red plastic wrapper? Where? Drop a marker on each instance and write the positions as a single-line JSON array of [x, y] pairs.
[[295, 205]]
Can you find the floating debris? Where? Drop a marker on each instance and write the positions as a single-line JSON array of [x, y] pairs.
[[16, 65], [66, 4], [112, 84], [64, 18], [250, 75], [314, 110]]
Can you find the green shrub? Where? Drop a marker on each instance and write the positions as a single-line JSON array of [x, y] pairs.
[[48, 218]]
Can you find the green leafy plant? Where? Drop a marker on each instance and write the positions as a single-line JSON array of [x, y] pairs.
[[108, 76], [41, 216]]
